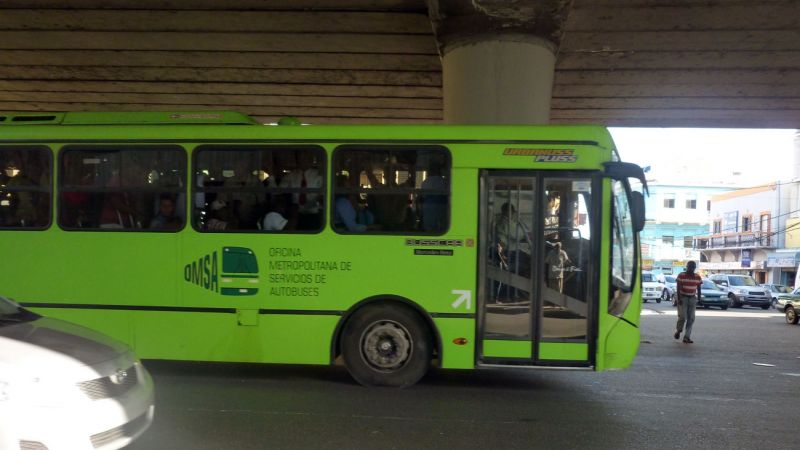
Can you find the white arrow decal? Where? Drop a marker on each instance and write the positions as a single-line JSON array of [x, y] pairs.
[[463, 296]]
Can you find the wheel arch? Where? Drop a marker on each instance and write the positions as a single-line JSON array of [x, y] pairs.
[[384, 299]]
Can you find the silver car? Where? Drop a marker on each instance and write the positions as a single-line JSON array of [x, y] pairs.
[[742, 290], [789, 304], [66, 387], [775, 290]]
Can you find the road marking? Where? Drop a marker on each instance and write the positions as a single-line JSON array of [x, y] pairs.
[[464, 297], [703, 313], [792, 374], [764, 365], [708, 398]]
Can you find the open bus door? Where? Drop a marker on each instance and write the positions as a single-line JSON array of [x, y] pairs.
[[537, 292]]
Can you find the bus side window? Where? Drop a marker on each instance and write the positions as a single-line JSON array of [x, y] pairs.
[[25, 189], [133, 188], [257, 188], [391, 189]]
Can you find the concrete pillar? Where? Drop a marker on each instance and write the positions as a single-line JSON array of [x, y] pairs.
[[498, 58], [500, 80]]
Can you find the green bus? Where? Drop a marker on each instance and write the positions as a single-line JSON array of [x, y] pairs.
[[207, 236]]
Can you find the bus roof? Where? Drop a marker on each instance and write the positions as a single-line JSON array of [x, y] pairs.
[[215, 126], [126, 118]]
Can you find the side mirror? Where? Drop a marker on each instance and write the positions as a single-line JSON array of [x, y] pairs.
[[637, 211]]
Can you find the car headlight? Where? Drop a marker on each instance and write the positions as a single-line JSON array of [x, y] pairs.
[[741, 291]]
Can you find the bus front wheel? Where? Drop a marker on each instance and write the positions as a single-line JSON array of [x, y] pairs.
[[387, 345]]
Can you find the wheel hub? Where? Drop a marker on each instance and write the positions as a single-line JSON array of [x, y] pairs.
[[386, 346]]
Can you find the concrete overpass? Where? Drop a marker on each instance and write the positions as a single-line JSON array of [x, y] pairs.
[[703, 63]]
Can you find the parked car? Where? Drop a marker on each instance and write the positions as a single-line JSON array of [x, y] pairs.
[[671, 285], [652, 289], [742, 290], [711, 295], [774, 290], [789, 304], [63, 386]]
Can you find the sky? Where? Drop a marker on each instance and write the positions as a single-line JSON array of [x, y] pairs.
[[709, 157]]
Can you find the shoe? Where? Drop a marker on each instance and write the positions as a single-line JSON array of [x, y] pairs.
[[688, 341], [677, 335]]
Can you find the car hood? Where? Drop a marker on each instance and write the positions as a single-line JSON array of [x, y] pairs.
[[750, 288], [706, 291], [53, 343], [651, 284]]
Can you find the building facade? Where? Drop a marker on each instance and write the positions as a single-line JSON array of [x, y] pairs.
[[675, 214], [747, 234]]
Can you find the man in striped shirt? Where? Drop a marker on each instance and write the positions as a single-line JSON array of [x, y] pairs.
[[688, 294]]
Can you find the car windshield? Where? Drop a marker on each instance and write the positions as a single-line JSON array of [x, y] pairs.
[[708, 285], [11, 313], [670, 279], [782, 289], [743, 281], [647, 277]]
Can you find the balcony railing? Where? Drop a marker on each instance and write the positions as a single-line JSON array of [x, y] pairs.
[[734, 240]]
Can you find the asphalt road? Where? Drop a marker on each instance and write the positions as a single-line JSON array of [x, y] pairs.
[[711, 394]]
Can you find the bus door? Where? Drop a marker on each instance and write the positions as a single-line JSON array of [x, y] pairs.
[[536, 290]]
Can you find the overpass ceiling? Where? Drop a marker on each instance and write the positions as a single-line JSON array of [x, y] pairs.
[[621, 63]]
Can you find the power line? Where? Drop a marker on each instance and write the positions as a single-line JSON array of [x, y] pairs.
[[767, 236], [736, 227], [654, 184], [795, 226]]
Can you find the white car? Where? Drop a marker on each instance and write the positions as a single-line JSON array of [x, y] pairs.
[[652, 288], [63, 386]]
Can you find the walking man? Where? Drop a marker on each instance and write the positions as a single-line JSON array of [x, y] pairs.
[[688, 294]]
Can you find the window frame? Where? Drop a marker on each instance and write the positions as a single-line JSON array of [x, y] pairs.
[[50, 189], [747, 219], [323, 191], [389, 147], [118, 148]]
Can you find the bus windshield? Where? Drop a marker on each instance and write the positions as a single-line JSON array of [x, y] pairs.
[[623, 251]]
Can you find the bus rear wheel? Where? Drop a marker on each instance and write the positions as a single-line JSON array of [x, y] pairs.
[[387, 345]]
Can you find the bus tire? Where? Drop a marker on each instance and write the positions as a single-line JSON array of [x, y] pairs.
[[387, 345]]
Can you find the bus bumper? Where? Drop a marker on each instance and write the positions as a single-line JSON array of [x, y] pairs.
[[622, 343]]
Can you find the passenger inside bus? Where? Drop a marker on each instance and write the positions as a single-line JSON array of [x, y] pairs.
[[276, 219], [513, 241], [119, 211], [116, 189], [391, 209], [567, 238], [21, 204], [306, 207], [433, 207], [167, 217], [349, 214]]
